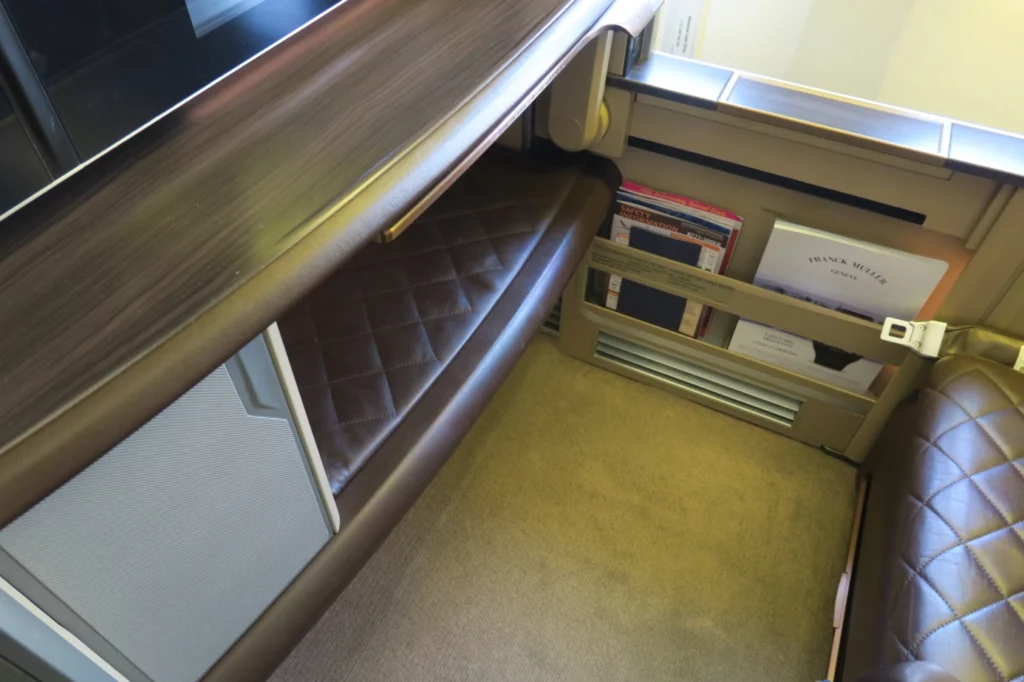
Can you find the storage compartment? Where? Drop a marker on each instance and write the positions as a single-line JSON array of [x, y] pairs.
[[788, 403], [160, 554], [372, 341], [922, 193], [703, 369]]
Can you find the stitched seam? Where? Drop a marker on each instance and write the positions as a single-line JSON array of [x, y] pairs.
[[970, 417], [974, 557], [1011, 404], [384, 372], [927, 504], [430, 341], [410, 364], [963, 625], [962, 478], [985, 570], [962, 372], [443, 247], [929, 561], [1005, 599], [354, 376], [500, 268], [467, 211], [392, 326], [942, 433], [998, 381], [963, 617], [979, 368], [962, 543], [416, 286], [409, 324], [970, 477], [916, 513], [905, 653], [992, 503], [316, 335], [361, 421], [984, 652], [1011, 462]]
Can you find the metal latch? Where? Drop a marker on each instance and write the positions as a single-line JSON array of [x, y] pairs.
[[924, 338]]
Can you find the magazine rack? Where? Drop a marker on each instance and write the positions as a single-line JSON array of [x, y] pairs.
[[885, 194]]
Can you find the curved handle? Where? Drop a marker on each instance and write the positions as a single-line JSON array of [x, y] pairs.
[[574, 121], [631, 16]]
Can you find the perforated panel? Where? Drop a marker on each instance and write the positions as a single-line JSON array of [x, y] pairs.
[[696, 378], [174, 542]]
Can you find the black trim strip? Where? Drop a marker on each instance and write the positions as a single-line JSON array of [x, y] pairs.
[[32, 104], [834, 454], [781, 181]]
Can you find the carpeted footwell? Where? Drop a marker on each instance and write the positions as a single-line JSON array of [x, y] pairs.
[[593, 528]]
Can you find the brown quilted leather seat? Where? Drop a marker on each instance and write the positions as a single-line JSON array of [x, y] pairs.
[[369, 342], [941, 573]]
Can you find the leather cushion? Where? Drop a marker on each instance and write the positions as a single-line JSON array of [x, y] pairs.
[[958, 574], [367, 343], [909, 672]]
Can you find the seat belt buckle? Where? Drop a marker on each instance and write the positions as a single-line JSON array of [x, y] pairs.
[[924, 338]]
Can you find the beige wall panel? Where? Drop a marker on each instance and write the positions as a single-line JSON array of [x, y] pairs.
[[739, 298], [994, 271], [760, 204], [1009, 314], [580, 341], [952, 205]]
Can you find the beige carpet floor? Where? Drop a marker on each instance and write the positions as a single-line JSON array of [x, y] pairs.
[[593, 528]]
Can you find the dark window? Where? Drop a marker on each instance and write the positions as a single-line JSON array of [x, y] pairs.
[[111, 66], [21, 171]]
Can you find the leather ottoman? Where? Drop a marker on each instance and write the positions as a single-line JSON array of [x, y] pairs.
[[938, 592]]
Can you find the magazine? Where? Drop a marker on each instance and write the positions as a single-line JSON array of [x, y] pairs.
[[847, 275], [708, 232]]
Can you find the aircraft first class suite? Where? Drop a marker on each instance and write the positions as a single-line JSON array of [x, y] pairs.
[[387, 340]]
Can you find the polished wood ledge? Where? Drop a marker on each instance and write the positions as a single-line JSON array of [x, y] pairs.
[[133, 277]]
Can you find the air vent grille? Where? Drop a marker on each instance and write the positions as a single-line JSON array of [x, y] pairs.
[[710, 383], [553, 324]]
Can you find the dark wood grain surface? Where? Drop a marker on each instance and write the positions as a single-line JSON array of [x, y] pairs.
[[132, 251]]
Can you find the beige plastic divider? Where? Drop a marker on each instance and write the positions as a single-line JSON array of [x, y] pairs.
[[971, 223], [827, 416], [741, 366], [728, 295], [761, 204], [951, 202]]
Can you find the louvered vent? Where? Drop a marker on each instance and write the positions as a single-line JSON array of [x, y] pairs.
[[699, 379], [553, 323]]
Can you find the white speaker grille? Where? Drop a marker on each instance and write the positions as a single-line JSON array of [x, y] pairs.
[[699, 379], [174, 542]]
